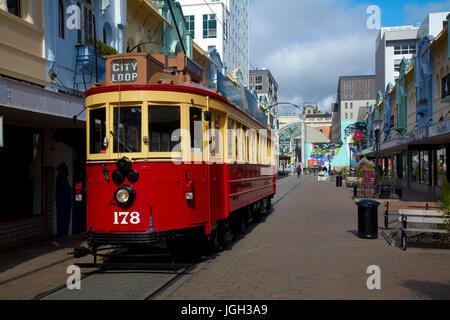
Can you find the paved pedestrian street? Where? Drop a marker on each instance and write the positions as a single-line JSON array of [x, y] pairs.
[[308, 248]]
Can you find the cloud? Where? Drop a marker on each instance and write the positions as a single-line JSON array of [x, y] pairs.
[[307, 45]]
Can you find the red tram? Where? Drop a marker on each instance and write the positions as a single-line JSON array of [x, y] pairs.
[[166, 156]]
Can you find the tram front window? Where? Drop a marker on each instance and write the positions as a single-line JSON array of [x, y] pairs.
[[163, 121], [127, 129], [97, 130]]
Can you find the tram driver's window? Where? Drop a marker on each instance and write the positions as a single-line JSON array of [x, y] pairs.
[[97, 130], [127, 129], [195, 121], [162, 122]]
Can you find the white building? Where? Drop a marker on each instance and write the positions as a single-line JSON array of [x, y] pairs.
[[432, 25], [221, 24], [392, 45]]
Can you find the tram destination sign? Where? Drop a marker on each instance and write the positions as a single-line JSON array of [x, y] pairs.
[[124, 70]]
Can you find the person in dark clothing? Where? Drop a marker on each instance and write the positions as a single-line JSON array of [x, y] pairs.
[[299, 171]]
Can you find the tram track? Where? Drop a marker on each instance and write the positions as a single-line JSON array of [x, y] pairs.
[[151, 283]]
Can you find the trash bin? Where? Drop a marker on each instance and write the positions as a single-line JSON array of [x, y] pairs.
[[338, 181], [368, 219]]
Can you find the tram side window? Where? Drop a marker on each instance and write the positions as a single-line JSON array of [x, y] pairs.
[[97, 130], [195, 117], [127, 129], [230, 137], [217, 134], [163, 121]]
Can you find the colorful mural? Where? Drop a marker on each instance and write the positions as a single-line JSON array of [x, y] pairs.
[[323, 152]]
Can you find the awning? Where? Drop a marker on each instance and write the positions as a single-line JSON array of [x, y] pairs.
[[153, 8], [365, 152], [203, 54]]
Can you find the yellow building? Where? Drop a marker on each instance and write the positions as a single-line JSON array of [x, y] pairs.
[[22, 40]]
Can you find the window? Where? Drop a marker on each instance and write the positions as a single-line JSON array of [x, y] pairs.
[[216, 135], [351, 84], [351, 105], [441, 166], [424, 167], [14, 7], [209, 26], [97, 130], [127, 129], [345, 84], [346, 105], [346, 94], [86, 32], [405, 48], [162, 122], [195, 120], [351, 115], [230, 137], [351, 95], [367, 94], [346, 115], [259, 83], [190, 24], [61, 19], [367, 84], [445, 86]]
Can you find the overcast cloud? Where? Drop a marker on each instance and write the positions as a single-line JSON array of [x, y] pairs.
[[307, 45]]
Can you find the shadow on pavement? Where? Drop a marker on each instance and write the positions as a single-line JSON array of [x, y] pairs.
[[428, 289]]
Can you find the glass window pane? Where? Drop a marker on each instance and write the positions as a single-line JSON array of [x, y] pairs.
[[97, 130], [195, 117], [415, 174], [127, 129], [217, 134], [441, 166], [230, 137], [424, 170], [163, 121]]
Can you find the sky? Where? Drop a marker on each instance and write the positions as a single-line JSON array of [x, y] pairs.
[[308, 44]]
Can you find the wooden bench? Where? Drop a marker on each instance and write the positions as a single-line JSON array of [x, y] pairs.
[[392, 208], [421, 217]]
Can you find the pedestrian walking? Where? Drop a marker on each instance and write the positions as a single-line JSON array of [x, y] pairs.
[[299, 171]]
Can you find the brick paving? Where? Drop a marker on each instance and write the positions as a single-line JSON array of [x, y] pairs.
[[308, 249]]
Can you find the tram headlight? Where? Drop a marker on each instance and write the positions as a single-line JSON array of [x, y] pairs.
[[125, 195]]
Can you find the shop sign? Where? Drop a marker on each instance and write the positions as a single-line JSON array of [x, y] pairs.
[[1, 131], [440, 128], [418, 135], [124, 70], [313, 163]]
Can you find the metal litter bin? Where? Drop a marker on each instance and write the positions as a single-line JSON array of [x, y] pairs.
[[368, 219], [338, 181]]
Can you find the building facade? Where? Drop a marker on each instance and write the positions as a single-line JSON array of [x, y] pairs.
[[355, 95], [415, 135], [46, 49], [222, 25], [265, 85]]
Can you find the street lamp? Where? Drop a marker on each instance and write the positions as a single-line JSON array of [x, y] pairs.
[[377, 128]]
